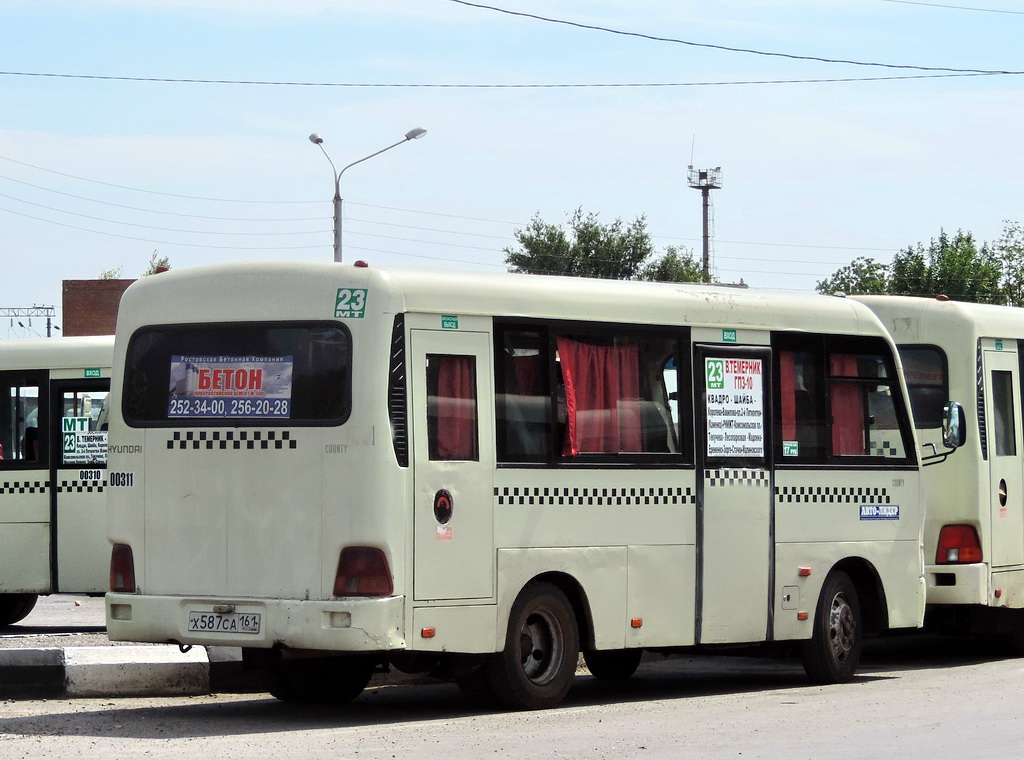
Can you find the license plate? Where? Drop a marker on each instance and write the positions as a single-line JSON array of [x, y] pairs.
[[215, 622]]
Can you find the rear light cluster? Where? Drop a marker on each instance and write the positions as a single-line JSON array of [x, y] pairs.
[[122, 569], [958, 545], [363, 571]]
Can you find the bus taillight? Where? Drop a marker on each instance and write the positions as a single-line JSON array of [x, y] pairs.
[[958, 544], [122, 569], [363, 571]]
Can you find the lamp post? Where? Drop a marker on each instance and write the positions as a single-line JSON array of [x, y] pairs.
[[316, 139]]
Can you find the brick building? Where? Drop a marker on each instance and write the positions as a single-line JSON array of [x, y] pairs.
[[90, 306]]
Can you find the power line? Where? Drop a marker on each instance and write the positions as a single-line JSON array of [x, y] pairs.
[[954, 7], [166, 242], [153, 211], [142, 190], [151, 227], [365, 205], [750, 51], [528, 86]]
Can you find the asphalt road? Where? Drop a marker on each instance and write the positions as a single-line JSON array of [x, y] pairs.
[[916, 698]]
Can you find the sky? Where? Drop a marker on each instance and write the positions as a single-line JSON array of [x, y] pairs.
[[113, 147]]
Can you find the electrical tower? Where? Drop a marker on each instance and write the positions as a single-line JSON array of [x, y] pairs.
[[705, 180], [31, 311]]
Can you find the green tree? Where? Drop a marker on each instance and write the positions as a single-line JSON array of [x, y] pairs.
[[156, 264], [1009, 249], [615, 251], [674, 266], [114, 273], [950, 265], [863, 276]]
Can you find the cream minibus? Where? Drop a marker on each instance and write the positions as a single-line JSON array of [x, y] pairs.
[[341, 468], [974, 516], [53, 453]]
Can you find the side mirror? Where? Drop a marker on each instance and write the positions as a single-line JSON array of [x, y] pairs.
[[954, 425]]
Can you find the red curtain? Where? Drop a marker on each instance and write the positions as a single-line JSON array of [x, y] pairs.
[[787, 379], [847, 408], [456, 408], [602, 394]]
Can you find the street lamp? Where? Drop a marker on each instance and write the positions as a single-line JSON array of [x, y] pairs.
[[316, 139]]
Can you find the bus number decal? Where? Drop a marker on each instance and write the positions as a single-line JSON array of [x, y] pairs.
[[350, 303], [120, 479]]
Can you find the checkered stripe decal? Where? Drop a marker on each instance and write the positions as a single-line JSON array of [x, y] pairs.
[[882, 449], [232, 439], [753, 478], [597, 497], [832, 495], [23, 486], [81, 486]]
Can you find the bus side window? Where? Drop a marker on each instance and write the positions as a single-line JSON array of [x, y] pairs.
[[523, 401], [452, 408], [615, 394], [865, 420], [802, 415], [1004, 431], [19, 421]]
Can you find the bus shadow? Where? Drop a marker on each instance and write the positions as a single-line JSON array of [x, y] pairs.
[[657, 679]]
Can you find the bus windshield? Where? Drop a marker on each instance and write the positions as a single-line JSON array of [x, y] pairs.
[[280, 373]]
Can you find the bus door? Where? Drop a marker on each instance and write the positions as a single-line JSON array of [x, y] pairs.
[[78, 476], [24, 484], [453, 461], [735, 519], [1002, 388]]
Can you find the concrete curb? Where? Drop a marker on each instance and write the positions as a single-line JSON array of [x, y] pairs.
[[107, 671]]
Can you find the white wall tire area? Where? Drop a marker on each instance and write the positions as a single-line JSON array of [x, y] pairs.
[[15, 607], [538, 665], [833, 652]]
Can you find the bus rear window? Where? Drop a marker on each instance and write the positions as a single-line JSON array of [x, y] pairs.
[[238, 374]]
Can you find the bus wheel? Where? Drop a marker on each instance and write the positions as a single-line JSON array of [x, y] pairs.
[[333, 680], [612, 664], [538, 664], [833, 652], [15, 607]]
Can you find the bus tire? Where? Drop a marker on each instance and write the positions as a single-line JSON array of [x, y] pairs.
[[15, 607], [538, 665], [334, 680], [833, 651], [612, 664]]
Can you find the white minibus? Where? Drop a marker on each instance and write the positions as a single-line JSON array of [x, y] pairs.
[[974, 516], [341, 468], [53, 453]]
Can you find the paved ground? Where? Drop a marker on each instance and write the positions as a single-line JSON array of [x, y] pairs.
[[59, 620]]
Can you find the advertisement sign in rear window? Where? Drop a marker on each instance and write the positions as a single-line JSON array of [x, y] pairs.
[[232, 387]]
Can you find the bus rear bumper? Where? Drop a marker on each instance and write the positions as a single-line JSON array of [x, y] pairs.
[[341, 625], [957, 584]]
